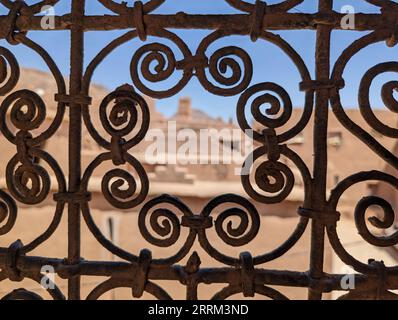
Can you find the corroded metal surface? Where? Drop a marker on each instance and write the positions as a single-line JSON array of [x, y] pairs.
[[119, 117]]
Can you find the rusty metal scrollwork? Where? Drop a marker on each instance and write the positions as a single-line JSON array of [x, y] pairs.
[[124, 116], [9, 71], [123, 119], [387, 92], [8, 212], [121, 8], [387, 218], [27, 180], [166, 64], [29, 9], [360, 219], [337, 76]]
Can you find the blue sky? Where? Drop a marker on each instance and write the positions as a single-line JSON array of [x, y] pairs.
[[270, 64]]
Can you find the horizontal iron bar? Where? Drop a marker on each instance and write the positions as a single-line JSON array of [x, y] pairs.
[[237, 22], [31, 266]]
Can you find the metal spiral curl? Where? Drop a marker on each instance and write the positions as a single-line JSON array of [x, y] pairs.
[[163, 221], [122, 113], [119, 187], [235, 236], [244, 232], [339, 110], [271, 177], [360, 218], [222, 61], [387, 94], [167, 225], [9, 71], [165, 61], [28, 111], [159, 53], [273, 117], [29, 183], [123, 116], [8, 212], [385, 223]]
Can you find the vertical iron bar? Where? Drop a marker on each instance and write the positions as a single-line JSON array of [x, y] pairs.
[[322, 60], [75, 136]]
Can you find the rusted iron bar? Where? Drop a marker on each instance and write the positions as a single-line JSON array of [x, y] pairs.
[[31, 265], [322, 57], [75, 137], [274, 21]]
